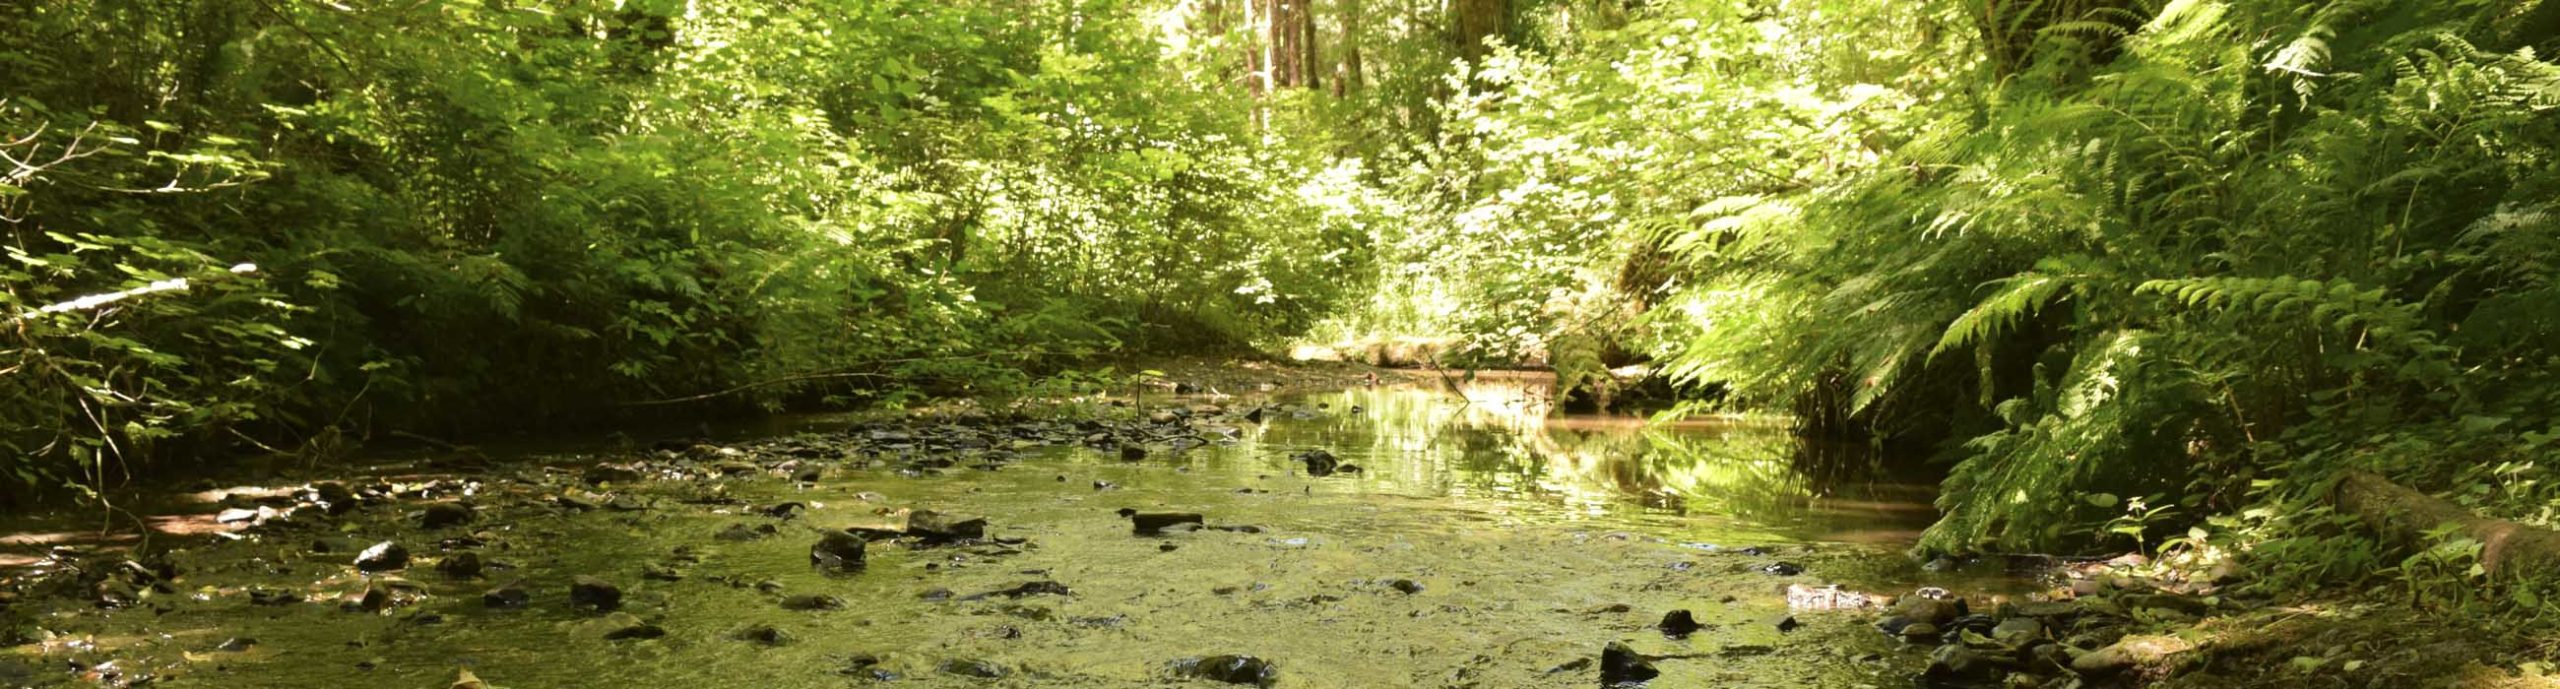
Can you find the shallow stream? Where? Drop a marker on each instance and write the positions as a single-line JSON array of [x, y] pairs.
[[1485, 544]]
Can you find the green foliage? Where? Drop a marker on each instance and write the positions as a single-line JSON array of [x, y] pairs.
[[509, 214]]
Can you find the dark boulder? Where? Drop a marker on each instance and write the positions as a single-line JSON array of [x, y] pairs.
[[383, 557], [763, 635], [1319, 463], [591, 593], [1781, 569], [981, 669], [1155, 523], [510, 595], [642, 630], [462, 565], [443, 514], [936, 526], [806, 602], [837, 552], [1621, 666], [1679, 624], [333, 497], [1231, 669]]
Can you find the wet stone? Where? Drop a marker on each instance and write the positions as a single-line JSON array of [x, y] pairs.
[[1781, 569], [1406, 586], [510, 595], [1033, 588], [610, 473], [444, 514], [1156, 523], [1231, 669], [937, 526], [373, 599], [837, 552], [334, 497], [590, 593], [1621, 666], [382, 557], [1319, 463], [1679, 624], [642, 630], [806, 602], [982, 669], [763, 635], [462, 565]]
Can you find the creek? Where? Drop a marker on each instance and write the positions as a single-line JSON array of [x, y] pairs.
[[1482, 542]]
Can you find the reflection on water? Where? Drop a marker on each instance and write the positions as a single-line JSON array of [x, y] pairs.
[[1490, 439]]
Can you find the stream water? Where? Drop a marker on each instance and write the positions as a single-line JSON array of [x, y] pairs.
[[1486, 544]]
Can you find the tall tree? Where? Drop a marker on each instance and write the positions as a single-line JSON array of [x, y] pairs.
[[1290, 47], [1473, 21], [1348, 81]]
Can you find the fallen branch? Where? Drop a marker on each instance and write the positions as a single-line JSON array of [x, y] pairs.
[[2404, 516]]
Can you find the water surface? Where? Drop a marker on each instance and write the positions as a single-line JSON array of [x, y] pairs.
[[1534, 540]]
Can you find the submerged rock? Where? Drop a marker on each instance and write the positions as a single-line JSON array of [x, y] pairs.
[[1231, 669], [1155, 523], [1319, 463], [596, 594], [641, 630], [444, 514], [936, 526], [462, 565], [510, 595], [382, 557], [1033, 588], [982, 669], [764, 635], [837, 552], [740, 533], [806, 602], [333, 497], [1621, 666], [1679, 624]]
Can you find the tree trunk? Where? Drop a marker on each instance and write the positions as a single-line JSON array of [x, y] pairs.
[[1475, 21], [1349, 82], [2404, 516], [1289, 29]]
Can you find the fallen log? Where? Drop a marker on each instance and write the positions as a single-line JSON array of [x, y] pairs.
[[2403, 515]]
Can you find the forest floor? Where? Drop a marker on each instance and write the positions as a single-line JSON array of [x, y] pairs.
[[1294, 525]]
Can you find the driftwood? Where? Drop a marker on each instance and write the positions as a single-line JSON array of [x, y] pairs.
[[2404, 516]]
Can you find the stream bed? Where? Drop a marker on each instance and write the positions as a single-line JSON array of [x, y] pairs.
[[1479, 542]]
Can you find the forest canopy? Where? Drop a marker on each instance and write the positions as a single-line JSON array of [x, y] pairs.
[[2118, 266]]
